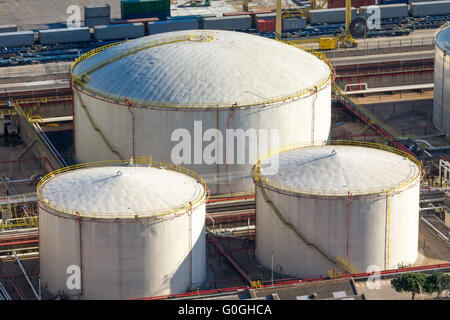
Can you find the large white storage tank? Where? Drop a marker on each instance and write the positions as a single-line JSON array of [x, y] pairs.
[[166, 95], [441, 103], [343, 207], [126, 230]]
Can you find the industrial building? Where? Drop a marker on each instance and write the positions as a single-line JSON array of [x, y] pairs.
[[222, 150]]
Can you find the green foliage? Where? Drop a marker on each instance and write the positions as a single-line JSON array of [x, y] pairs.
[[422, 283], [437, 282], [409, 282]]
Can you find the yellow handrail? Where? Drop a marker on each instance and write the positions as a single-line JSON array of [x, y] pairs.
[[135, 161], [79, 81], [27, 222], [334, 193]]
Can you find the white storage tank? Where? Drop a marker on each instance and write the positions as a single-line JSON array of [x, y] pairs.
[[121, 230], [345, 206], [441, 103], [174, 95]]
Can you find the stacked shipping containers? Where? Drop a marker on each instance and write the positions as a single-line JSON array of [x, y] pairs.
[[294, 23], [16, 39], [97, 15], [355, 3], [172, 25], [432, 8], [392, 10], [266, 22], [135, 9], [119, 31], [328, 16], [64, 35], [228, 23]]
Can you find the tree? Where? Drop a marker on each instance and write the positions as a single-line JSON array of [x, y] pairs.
[[437, 282], [409, 282]]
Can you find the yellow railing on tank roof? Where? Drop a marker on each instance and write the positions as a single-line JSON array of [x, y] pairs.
[[80, 80], [134, 161], [259, 178]]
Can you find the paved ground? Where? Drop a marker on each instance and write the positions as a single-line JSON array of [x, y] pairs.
[[386, 292], [35, 14]]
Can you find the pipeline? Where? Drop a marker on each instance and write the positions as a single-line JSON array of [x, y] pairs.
[[222, 250], [288, 282]]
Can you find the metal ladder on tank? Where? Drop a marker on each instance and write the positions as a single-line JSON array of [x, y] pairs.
[[338, 261]]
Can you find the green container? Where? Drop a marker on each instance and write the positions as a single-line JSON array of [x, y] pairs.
[[136, 7]]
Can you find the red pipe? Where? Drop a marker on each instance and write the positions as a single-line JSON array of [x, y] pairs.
[[230, 198], [13, 283], [18, 242], [342, 77], [227, 256]]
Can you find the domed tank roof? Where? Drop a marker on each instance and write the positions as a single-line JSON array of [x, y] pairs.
[[443, 38], [120, 192], [232, 67], [337, 170]]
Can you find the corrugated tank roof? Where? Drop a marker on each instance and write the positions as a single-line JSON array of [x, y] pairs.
[[233, 68], [118, 191], [337, 170], [443, 38]]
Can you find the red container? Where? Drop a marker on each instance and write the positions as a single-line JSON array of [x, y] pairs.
[[355, 3], [252, 14], [265, 25], [145, 21]]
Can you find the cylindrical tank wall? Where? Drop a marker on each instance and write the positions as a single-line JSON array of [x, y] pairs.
[[441, 103], [363, 230], [121, 259], [153, 129]]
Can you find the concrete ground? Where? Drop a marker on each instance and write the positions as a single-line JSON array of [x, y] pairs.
[[386, 292], [33, 14]]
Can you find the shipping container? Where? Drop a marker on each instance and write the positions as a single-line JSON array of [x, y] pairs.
[[265, 25], [393, 1], [355, 3], [97, 11], [119, 31], [17, 39], [140, 8], [195, 16], [391, 10], [252, 14], [64, 35], [434, 8], [172, 25], [294, 23], [320, 16], [162, 15], [228, 23], [8, 28], [97, 21], [145, 21], [266, 16]]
